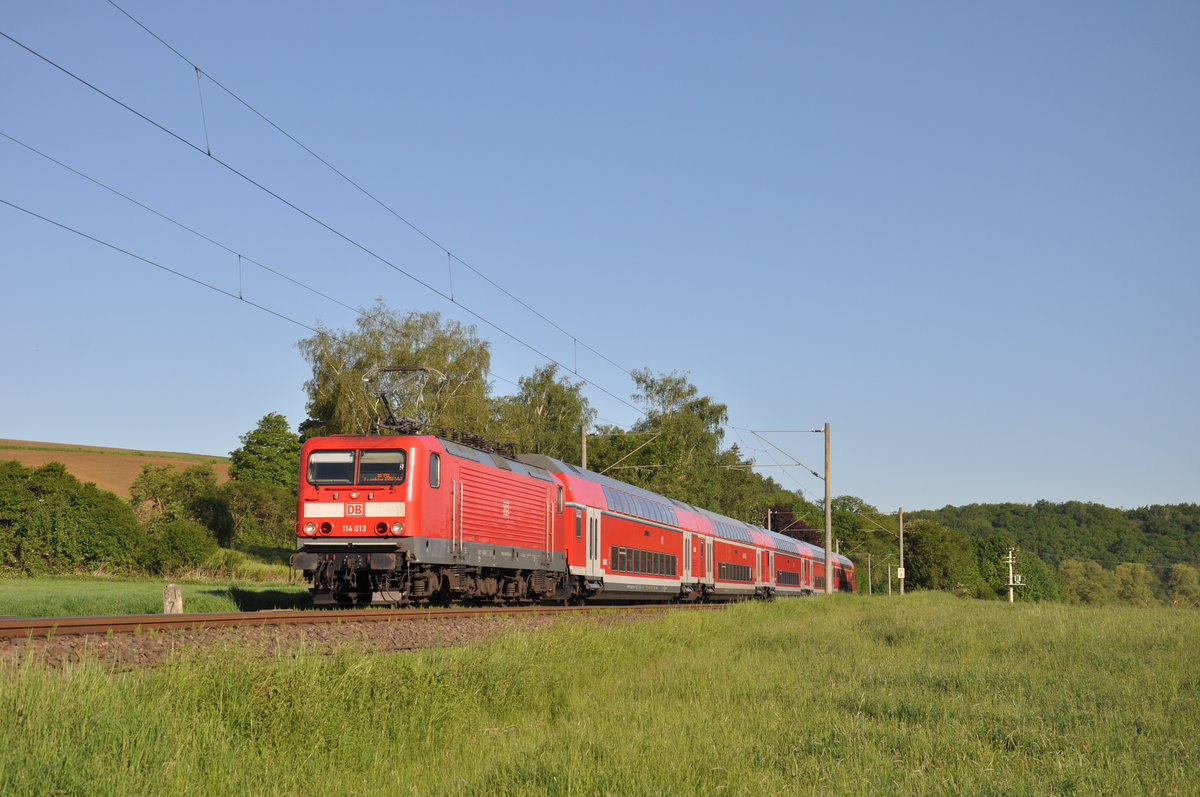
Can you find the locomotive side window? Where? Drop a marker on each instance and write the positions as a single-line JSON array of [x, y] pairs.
[[331, 467], [561, 504], [579, 524], [381, 467], [435, 470]]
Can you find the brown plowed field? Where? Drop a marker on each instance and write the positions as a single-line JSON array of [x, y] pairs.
[[112, 469]]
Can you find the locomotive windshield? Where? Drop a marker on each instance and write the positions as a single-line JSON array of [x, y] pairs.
[[371, 467], [381, 467], [331, 467]]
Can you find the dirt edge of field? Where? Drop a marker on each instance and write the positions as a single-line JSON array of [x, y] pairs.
[[111, 469]]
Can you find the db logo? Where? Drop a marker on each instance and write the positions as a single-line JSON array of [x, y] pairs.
[[355, 510]]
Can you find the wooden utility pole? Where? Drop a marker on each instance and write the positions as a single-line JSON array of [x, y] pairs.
[[869, 590], [900, 569], [828, 521], [583, 447]]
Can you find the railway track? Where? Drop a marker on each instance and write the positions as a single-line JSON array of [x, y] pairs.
[[17, 627]]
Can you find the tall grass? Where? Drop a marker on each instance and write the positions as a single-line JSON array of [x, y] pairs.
[[920, 695]]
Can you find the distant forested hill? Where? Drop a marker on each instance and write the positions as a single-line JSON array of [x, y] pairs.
[[1157, 535]]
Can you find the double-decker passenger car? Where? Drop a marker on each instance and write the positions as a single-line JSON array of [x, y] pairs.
[[397, 520]]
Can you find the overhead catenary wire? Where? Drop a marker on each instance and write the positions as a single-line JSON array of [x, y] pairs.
[[215, 288], [242, 257], [759, 435], [318, 221], [157, 265], [767, 452], [411, 225]]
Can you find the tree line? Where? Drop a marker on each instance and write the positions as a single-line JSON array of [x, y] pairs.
[[179, 519], [173, 521]]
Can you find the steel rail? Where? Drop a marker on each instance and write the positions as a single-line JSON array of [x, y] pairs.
[[11, 627]]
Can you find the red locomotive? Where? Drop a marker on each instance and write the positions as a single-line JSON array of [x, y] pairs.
[[399, 520]]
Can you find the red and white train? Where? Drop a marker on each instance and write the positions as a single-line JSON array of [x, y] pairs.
[[399, 520]]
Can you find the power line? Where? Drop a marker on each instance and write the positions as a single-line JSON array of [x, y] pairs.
[[241, 256], [767, 452], [759, 435], [314, 219], [158, 265], [181, 225], [202, 283], [361, 189], [1060, 558]]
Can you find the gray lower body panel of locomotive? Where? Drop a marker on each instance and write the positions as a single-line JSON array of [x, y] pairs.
[[391, 554]]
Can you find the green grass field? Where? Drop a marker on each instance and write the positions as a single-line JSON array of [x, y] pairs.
[[72, 597], [925, 694]]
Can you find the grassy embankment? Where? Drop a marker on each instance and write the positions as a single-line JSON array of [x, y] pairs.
[[74, 597], [921, 695]]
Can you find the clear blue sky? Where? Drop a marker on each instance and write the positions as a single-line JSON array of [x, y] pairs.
[[967, 235]]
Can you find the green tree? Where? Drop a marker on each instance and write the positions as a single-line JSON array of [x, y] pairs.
[[270, 453], [1170, 532], [1150, 535], [50, 521], [790, 514], [1135, 584], [161, 495], [936, 557], [990, 553], [261, 515], [1097, 585], [1183, 586], [1039, 578], [1070, 576], [675, 450], [340, 403], [545, 415]]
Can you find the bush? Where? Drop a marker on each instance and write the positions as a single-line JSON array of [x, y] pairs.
[[262, 515], [182, 544], [51, 522], [162, 495]]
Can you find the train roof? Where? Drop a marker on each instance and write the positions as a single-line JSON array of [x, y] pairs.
[[638, 501], [483, 457]]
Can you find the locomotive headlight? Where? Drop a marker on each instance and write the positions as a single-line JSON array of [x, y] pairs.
[[354, 494], [326, 528], [397, 527], [310, 529]]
